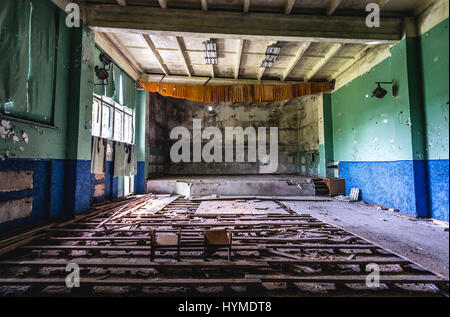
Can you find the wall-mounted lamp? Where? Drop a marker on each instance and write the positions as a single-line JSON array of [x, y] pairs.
[[102, 73], [380, 92]]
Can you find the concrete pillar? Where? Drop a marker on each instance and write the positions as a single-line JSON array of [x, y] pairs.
[[78, 185], [325, 136], [141, 103]]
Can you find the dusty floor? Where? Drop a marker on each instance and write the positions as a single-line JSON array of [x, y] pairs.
[[421, 241], [244, 178], [275, 251]]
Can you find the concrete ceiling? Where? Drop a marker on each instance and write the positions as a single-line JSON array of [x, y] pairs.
[[159, 54]]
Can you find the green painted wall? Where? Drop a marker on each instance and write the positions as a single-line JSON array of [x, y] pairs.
[[140, 124], [396, 149], [366, 128], [434, 46], [156, 164], [46, 142], [80, 112], [308, 162], [310, 134], [71, 136], [326, 137], [414, 125]]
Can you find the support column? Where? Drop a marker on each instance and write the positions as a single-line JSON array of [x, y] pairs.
[[325, 136], [139, 180], [78, 185], [417, 114]]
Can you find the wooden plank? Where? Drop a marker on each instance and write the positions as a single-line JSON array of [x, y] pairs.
[[227, 24], [199, 246], [319, 261], [384, 278], [133, 282], [135, 263], [18, 244], [280, 240], [200, 237], [256, 230], [209, 224], [129, 208]]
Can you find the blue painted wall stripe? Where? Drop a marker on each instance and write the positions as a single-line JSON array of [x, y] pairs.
[[61, 188], [417, 188]]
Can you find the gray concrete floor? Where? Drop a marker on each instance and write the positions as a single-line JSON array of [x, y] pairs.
[[243, 178], [424, 242]]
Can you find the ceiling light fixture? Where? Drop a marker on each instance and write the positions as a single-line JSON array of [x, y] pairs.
[[210, 51], [270, 56]]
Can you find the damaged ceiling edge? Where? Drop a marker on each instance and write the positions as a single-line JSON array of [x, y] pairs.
[[362, 66], [110, 48]]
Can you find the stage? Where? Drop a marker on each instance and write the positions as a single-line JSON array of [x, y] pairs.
[[237, 185]]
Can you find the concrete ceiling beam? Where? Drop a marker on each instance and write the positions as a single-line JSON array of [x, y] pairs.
[[163, 4], [288, 5], [294, 61], [156, 54], [204, 5], [332, 5], [246, 5], [181, 48], [324, 61], [255, 26], [206, 80], [112, 50], [238, 58], [351, 62]]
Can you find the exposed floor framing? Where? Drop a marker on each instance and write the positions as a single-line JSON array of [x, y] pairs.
[[274, 252]]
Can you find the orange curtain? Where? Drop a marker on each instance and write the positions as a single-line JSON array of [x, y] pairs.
[[237, 93]]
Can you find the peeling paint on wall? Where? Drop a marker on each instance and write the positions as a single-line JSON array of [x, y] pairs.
[[16, 180], [166, 113], [12, 142], [15, 209]]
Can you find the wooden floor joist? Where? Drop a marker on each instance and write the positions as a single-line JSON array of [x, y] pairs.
[[280, 246], [134, 282]]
